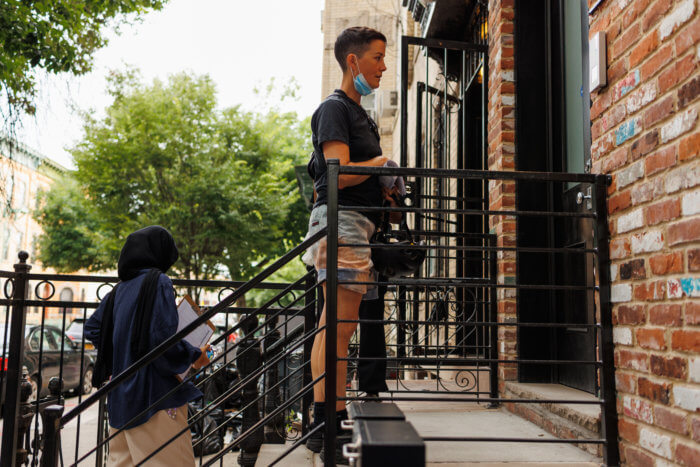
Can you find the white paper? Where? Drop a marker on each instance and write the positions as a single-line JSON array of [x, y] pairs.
[[199, 336]]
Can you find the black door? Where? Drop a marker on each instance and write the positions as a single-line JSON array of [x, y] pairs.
[[575, 306]]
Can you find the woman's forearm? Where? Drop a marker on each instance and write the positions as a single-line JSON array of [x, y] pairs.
[[346, 180]]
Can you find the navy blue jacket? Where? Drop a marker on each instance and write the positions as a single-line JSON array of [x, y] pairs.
[[152, 382]]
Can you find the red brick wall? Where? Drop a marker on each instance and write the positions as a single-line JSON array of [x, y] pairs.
[[501, 147], [646, 133]]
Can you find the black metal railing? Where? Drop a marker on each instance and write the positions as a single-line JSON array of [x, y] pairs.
[[442, 325], [443, 317], [274, 350]]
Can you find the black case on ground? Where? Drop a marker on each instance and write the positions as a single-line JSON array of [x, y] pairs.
[[381, 443], [374, 411]]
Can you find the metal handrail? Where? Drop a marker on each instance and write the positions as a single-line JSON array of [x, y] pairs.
[[178, 336]]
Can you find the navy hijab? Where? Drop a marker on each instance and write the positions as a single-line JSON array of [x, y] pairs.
[[152, 248]]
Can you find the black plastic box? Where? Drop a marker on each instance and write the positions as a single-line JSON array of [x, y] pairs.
[[383, 443]]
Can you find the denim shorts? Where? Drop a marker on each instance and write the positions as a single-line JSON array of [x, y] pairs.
[[354, 263]]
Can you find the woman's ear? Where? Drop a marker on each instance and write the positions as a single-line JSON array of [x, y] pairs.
[[351, 61]]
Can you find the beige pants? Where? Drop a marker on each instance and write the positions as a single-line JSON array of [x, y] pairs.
[[135, 444]]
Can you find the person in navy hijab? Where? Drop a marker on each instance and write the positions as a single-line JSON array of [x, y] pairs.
[[135, 317]]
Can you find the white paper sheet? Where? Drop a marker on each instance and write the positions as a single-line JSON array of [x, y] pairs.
[[187, 312]]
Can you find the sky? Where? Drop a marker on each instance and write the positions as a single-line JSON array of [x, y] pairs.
[[241, 44]]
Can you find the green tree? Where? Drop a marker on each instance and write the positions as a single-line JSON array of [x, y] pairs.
[[55, 36], [164, 154], [71, 236]]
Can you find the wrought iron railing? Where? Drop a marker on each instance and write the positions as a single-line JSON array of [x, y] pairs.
[[431, 335], [277, 359], [442, 324]]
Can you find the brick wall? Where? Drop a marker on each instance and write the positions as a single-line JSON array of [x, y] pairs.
[[501, 151], [645, 132]]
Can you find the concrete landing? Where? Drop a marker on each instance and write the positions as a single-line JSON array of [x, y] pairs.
[[463, 419]]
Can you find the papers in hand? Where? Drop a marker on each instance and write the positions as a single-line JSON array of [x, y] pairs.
[[188, 311]]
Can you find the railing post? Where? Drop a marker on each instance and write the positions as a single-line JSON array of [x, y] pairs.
[[611, 453], [26, 414], [309, 326], [273, 429], [51, 419], [13, 375], [102, 431], [331, 312], [401, 331], [248, 361], [493, 317]]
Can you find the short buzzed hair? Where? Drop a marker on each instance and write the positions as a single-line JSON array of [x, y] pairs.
[[355, 40]]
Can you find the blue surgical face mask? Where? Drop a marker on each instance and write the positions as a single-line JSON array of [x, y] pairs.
[[361, 84]]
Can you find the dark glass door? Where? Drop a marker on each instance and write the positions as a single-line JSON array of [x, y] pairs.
[[576, 269]]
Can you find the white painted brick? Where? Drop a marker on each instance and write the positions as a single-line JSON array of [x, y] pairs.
[[642, 410], [691, 203], [620, 293], [647, 241], [686, 397], [630, 174], [621, 4], [679, 125], [680, 15], [644, 192], [663, 463], [694, 369], [682, 177], [630, 221], [508, 75], [641, 97], [614, 269], [655, 442], [622, 336], [508, 100]]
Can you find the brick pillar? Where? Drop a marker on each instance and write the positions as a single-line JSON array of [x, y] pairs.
[[501, 151]]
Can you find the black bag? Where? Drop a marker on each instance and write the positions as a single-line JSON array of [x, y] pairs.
[[395, 261], [215, 441]]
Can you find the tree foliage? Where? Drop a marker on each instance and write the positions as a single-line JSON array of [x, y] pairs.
[[71, 236], [56, 36], [220, 180]]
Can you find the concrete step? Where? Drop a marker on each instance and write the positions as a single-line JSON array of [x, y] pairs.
[[565, 421], [300, 457]]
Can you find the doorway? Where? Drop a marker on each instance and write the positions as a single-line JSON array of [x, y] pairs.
[[553, 135]]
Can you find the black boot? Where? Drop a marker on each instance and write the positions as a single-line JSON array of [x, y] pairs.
[[342, 437], [315, 442]]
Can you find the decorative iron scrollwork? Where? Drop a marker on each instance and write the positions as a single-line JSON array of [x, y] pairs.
[[466, 379], [38, 294], [8, 294], [99, 289]]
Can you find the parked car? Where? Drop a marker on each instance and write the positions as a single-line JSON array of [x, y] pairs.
[[75, 333], [73, 380]]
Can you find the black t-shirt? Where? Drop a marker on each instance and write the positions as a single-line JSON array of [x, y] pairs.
[[339, 118]]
